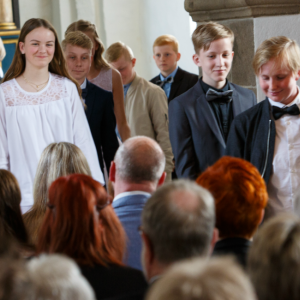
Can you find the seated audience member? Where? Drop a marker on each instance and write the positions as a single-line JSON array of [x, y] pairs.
[[77, 48], [137, 170], [274, 260], [11, 222], [58, 159], [146, 105], [177, 223], [172, 79], [55, 277], [240, 199], [202, 279], [89, 231], [267, 135]]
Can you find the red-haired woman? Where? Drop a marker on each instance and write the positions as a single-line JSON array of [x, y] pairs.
[[81, 223], [240, 195], [40, 105]]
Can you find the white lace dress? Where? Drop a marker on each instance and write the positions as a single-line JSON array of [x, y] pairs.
[[29, 122]]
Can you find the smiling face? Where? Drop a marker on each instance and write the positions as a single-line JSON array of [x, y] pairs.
[[78, 62], [278, 83], [166, 59], [215, 62], [38, 47], [125, 67]]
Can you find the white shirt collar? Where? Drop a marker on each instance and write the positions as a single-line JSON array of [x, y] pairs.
[[125, 194], [281, 105], [83, 86]]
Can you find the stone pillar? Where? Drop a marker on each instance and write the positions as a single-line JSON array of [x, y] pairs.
[[240, 16], [6, 15]]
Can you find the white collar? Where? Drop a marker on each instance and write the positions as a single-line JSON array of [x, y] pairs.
[[125, 194], [83, 86]]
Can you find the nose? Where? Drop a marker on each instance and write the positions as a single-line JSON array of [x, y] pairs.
[[220, 61], [42, 48], [272, 84]]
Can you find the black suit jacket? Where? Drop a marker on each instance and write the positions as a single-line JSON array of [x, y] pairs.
[[183, 81], [196, 138], [114, 282], [238, 247], [102, 121]]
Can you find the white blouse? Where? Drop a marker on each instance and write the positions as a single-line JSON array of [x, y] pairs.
[[29, 122]]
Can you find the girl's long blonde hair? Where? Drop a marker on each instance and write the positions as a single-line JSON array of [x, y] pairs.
[[56, 66], [86, 26], [58, 159]]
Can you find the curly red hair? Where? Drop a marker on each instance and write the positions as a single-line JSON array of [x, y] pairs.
[[240, 196], [81, 223]]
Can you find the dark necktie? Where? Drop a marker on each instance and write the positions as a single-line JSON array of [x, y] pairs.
[[84, 93], [279, 112], [162, 83], [223, 97]]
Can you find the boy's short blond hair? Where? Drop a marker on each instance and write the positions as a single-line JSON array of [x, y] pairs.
[[285, 50], [167, 39], [77, 38], [116, 50], [208, 32]]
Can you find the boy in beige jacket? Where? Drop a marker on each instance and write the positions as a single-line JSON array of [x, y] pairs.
[[146, 105]]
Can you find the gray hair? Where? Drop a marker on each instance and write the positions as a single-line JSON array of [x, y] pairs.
[[140, 159], [274, 260], [179, 220], [56, 277], [202, 279]]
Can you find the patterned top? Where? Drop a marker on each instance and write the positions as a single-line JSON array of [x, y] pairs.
[[29, 122], [104, 80]]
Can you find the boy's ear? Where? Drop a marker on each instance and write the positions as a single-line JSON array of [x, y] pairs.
[[178, 56], [133, 61], [297, 75], [196, 60]]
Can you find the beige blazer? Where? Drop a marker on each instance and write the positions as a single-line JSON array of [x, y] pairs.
[[146, 109]]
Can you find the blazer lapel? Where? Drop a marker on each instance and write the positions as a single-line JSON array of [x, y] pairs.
[[209, 115], [90, 99], [175, 85], [236, 103]]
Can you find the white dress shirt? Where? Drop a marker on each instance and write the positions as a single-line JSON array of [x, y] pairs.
[[285, 177]]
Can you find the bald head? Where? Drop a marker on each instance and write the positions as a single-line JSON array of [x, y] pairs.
[[179, 220], [139, 159]]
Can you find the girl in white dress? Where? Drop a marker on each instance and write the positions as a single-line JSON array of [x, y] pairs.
[[40, 105], [103, 75]]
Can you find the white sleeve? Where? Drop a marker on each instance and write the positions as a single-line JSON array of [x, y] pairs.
[[82, 133], [4, 157]]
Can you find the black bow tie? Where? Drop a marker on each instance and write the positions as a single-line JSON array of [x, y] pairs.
[[279, 112], [84, 93], [161, 83], [225, 97]]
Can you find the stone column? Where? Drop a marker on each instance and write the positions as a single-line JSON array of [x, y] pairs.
[[240, 16], [6, 15]]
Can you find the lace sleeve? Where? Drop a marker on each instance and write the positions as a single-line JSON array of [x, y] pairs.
[[82, 134], [4, 161]]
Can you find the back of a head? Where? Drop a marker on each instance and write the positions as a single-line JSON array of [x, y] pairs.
[[116, 50], [274, 259], [139, 159], [200, 279], [208, 32], [284, 51], [81, 223], [179, 220], [240, 195], [56, 277], [11, 222]]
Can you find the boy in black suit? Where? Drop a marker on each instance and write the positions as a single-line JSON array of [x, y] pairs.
[[268, 135], [77, 48], [172, 79], [201, 117]]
